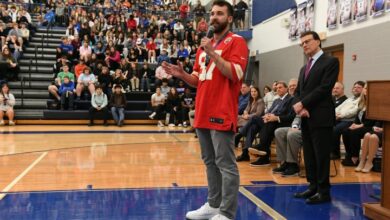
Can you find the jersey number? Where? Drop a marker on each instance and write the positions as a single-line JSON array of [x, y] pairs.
[[206, 74]]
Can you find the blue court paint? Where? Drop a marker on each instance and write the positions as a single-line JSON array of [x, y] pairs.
[[263, 182], [346, 202], [138, 204], [96, 132]]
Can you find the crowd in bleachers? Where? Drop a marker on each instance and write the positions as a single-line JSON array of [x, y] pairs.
[[272, 117]]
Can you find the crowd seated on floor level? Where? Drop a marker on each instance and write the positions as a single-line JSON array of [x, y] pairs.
[[272, 117]]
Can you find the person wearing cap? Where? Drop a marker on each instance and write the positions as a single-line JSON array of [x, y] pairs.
[[118, 105]]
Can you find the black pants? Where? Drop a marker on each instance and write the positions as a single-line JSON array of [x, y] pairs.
[[267, 134], [160, 110], [316, 148], [250, 129], [67, 96], [92, 113], [338, 129], [352, 141]]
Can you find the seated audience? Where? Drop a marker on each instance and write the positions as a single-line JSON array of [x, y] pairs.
[[160, 75], [345, 114], [9, 68], [280, 114], [66, 91], [371, 142], [243, 99], [254, 107], [99, 104], [146, 76], [288, 143], [85, 80], [53, 89], [187, 105], [119, 79], [7, 102], [270, 97], [174, 108], [118, 105], [338, 95], [158, 105], [105, 81]]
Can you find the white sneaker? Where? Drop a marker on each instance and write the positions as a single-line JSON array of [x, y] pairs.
[[160, 124], [220, 217], [171, 125], [11, 123], [204, 212], [2, 123], [151, 116]]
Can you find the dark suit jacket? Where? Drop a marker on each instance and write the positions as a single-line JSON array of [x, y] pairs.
[[285, 110], [339, 101], [315, 92]]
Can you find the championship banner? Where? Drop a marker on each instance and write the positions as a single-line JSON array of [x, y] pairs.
[[345, 12], [331, 22], [310, 15], [293, 31], [360, 10], [301, 18], [377, 7]]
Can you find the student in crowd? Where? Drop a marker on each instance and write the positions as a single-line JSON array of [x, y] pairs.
[[7, 103], [53, 89], [118, 105], [146, 76], [254, 107], [66, 91], [158, 105], [174, 108], [187, 105], [99, 104], [243, 99], [85, 80], [105, 80]]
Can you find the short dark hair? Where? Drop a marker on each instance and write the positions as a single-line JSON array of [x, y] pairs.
[[283, 83], [222, 3], [361, 83], [312, 33]]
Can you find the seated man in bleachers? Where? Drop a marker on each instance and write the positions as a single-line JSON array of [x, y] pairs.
[[65, 48], [67, 93], [99, 103], [85, 80], [280, 114], [288, 143], [59, 79], [161, 75], [146, 76]]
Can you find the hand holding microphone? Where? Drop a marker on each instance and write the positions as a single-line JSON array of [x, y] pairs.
[[205, 43]]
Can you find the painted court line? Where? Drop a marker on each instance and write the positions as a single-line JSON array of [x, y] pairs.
[[16, 180], [262, 205]]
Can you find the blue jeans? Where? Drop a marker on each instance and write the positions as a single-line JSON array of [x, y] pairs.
[[145, 84], [118, 114]]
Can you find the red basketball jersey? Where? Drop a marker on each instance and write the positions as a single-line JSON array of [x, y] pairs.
[[217, 96]]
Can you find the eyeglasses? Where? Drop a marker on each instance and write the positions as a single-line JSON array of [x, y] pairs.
[[305, 42]]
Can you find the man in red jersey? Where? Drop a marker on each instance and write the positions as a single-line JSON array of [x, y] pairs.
[[218, 72]]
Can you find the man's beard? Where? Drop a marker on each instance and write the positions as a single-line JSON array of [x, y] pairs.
[[220, 27]]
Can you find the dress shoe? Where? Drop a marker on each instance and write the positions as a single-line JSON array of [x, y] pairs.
[[258, 150], [305, 194], [334, 156], [243, 157], [318, 198]]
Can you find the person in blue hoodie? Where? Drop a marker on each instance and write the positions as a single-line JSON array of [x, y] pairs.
[[49, 18], [67, 93]]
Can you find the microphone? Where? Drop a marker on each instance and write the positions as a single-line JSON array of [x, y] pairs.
[[210, 33]]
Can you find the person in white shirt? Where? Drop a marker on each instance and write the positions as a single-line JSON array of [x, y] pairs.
[[270, 97], [158, 105], [7, 102], [86, 79]]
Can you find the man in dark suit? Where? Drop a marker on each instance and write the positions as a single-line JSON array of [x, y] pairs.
[[280, 114], [338, 95], [315, 106]]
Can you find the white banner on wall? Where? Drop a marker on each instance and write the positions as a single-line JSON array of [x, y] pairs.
[[293, 31], [345, 12], [360, 10], [377, 7], [331, 21]]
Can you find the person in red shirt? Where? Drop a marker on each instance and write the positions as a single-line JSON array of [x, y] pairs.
[[184, 9], [202, 28], [151, 47], [131, 23], [218, 72]]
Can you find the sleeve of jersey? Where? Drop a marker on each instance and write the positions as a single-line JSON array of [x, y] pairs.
[[238, 58]]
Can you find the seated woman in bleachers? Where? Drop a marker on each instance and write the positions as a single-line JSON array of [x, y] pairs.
[[99, 103], [85, 51], [174, 108], [85, 80], [146, 76], [118, 105], [134, 77], [254, 107], [9, 68], [7, 102], [67, 93], [158, 105], [360, 128], [113, 59]]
